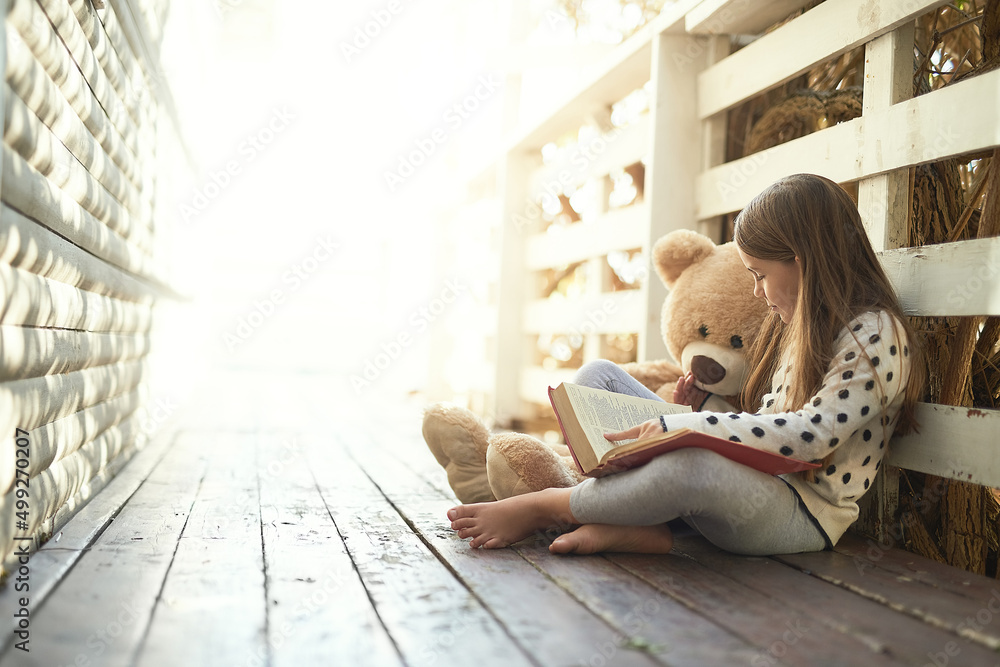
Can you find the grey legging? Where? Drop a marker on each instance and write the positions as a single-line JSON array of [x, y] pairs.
[[737, 508]]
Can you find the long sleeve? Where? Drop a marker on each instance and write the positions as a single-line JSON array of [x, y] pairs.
[[715, 403], [851, 417]]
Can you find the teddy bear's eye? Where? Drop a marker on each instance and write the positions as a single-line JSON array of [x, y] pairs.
[[703, 330], [736, 342]]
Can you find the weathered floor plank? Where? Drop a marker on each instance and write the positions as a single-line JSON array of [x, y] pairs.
[[256, 546], [318, 609], [214, 590], [552, 626], [782, 633], [885, 631], [931, 604], [101, 608], [755, 623], [58, 556], [430, 615], [642, 615], [868, 554]]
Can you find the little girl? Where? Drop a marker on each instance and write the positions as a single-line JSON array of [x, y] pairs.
[[834, 372]]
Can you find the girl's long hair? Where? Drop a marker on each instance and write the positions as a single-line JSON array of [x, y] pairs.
[[814, 219]]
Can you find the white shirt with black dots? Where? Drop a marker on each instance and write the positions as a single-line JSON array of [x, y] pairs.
[[851, 417]]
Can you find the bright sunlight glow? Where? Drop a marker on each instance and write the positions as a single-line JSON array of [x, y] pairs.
[[295, 247]]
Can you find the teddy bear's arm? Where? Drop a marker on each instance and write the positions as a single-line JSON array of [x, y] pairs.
[[653, 374]]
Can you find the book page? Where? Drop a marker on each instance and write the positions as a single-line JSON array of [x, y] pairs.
[[601, 412]]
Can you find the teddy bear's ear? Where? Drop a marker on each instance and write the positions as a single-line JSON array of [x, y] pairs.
[[678, 250]]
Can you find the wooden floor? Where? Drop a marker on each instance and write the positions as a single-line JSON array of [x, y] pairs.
[[285, 525]]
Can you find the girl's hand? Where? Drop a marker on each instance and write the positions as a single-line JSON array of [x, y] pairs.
[[643, 430], [685, 393]]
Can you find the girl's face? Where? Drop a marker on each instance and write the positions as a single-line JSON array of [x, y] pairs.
[[776, 282]]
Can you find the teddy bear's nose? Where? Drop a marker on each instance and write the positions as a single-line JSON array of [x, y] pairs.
[[707, 370]]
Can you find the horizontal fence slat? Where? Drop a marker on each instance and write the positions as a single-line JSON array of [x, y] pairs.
[[40, 72], [625, 69], [961, 278], [739, 17], [25, 189], [833, 152], [829, 29], [27, 245], [957, 443], [35, 142], [27, 352], [37, 401], [30, 300], [615, 149], [912, 132], [926, 128], [611, 312], [620, 229]]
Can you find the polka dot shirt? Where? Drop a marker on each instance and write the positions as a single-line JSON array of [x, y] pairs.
[[851, 418]]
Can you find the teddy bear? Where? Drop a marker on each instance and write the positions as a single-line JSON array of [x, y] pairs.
[[708, 321]]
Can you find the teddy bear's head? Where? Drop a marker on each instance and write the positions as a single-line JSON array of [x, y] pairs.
[[711, 316]]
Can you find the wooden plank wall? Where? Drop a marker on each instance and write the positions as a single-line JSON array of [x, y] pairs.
[[81, 258]]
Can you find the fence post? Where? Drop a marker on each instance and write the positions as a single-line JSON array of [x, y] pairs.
[[515, 224], [883, 202], [673, 163]]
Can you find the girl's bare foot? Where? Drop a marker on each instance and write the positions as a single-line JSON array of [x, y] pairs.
[[596, 537], [501, 523]]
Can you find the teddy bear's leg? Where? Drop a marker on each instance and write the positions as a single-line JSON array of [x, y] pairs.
[[517, 463], [458, 440]]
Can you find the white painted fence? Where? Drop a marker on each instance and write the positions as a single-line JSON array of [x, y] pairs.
[[682, 58]]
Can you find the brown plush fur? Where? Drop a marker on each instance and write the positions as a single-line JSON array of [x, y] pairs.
[[517, 463], [711, 301], [458, 440], [711, 306]]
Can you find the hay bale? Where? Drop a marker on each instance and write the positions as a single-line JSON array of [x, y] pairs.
[[803, 113]]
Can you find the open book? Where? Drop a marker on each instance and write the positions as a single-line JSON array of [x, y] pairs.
[[586, 414]]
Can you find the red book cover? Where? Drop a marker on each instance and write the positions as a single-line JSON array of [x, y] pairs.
[[640, 452]]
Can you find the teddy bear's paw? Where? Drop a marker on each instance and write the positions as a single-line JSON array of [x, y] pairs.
[[458, 440], [517, 463]]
